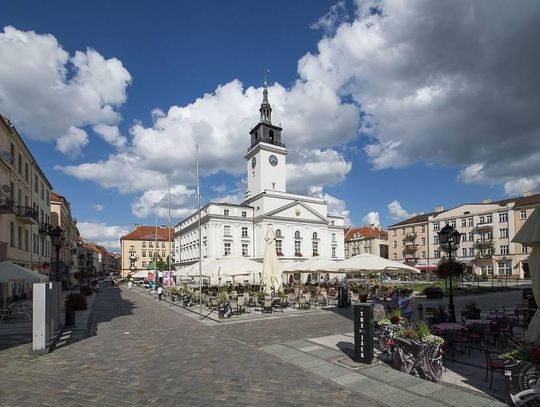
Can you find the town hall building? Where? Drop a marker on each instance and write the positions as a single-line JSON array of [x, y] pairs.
[[302, 224]]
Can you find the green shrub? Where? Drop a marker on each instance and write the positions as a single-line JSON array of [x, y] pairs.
[[75, 302]]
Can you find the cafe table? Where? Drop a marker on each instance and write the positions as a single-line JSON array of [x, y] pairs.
[[446, 326]]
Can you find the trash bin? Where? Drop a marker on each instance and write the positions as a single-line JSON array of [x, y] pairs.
[[343, 297]]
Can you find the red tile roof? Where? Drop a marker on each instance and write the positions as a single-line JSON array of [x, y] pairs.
[[366, 232], [149, 233]]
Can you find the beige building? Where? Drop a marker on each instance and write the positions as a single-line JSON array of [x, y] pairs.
[[366, 239], [61, 216], [139, 247], [24, 203], [486, 228]]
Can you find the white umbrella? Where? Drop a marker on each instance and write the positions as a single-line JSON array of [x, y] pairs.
[[13, 273], [529, 235], [226, 266], [271, 272], [371, 262], [311, 265]]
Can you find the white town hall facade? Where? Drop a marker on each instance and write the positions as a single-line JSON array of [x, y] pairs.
[[302, 224]]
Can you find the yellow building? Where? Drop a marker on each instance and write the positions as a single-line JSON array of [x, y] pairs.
[[139, 247]]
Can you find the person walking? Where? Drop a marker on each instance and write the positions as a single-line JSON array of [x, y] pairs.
[[405, 305], [129, 284], [159, 292]]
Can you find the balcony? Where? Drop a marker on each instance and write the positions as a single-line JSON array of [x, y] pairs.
[[484, 255], [484, 242], [484, 225], [410, 248], [26, 215], [6, 205], [44, 229], [410, 236]]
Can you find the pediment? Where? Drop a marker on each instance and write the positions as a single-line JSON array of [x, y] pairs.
[[297, 210]]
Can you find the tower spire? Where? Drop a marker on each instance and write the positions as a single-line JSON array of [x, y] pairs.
[[266, 109]]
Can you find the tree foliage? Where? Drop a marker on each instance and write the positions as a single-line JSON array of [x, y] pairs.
[[450, 268]]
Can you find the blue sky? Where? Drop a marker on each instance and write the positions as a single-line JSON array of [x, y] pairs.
[[366, 128]]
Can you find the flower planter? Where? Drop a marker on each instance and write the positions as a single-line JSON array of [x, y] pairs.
[[522, 382], [424, 359]]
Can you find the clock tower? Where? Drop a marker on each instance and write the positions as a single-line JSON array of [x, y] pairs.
[[266, 157]]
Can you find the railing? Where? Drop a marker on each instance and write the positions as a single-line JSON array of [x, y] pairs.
[[488, 255], [6, 204], [410, 236], [26, 212], [484, 242], [410, 247], [44, 229], [484, 225]]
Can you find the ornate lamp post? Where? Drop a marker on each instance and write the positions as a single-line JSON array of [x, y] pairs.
[[57, 239], [449, 239]]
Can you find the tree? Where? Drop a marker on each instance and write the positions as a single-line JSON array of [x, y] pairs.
[[450, 268]]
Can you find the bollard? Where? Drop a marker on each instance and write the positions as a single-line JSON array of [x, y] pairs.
[[420, 312]]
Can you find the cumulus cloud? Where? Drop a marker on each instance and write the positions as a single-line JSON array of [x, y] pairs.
[[46, 92], [332, 19], [396, 212], [98, 207], [101, 233], [182, 203], [111, 134], [335, 206], [72, 143], [372, 218], [452, 83]]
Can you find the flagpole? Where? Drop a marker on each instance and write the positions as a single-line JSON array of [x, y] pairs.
[[199, 229], [155, 249], [169, 234]]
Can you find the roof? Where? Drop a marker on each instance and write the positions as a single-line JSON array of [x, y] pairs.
[[149, 233], [365, 232], [527, 200], [415, 219]]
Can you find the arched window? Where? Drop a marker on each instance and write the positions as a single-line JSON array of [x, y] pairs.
[[315, 235], [278, 232], [271, 136], [297, 234]]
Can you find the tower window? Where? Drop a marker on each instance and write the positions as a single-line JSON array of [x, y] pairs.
[[271, 136]]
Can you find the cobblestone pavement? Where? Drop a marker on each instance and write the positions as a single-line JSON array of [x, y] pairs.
[[143, 353]]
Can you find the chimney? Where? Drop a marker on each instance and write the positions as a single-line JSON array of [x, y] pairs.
[[439, 209], [486, 201], [526, 194]]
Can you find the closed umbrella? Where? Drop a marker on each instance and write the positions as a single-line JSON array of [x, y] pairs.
[[529, 235], [271, 273]]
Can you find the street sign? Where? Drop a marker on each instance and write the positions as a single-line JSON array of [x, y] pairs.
[[363, 332]]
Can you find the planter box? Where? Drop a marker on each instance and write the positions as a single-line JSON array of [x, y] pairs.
[[425, 360], [522, 382]]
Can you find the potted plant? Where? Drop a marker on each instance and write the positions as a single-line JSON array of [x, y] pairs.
[[74, 302], [522, 373], [417, 350]]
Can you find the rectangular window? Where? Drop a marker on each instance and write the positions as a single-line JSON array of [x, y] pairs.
[[20, 164], [436, 227], [225, 212], [436, 239], [503, 267], [42, 191], [522, 215], [403, 231], [437, 254], [423, 229], [143, 244], [279, 248], [394, 232], [333, 252], [482, 219], [244, 249], [19, 237], [315, 248], [150, 244], [463, 222], [36, 184], [12, 234], [470, 221], [143, 253], [297, 249], [244, 231], [524, 249], [503, 232], [489, 218], [503, 217], [244, 214], [227, 250], [471, 236], [423, 241], [26, 240], [423, 254], [163, 254], [150, 253], [394, 244], [471, 252], [453, 223], [226, 230], [464, 237], [333, 237], [26, 172], [504, 249], [144, 263], [394, 256]]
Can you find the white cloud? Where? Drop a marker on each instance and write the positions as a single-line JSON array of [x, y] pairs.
[[101, 233], [72, 143], [395, 211], [372, 218], [336, 206], [331, 20], [111, 134], [219, 188], [182, 203], [45, 91], [98, 207]]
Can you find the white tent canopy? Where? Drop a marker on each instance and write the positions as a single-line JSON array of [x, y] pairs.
[[142, 274], [312, 265], [370, 262], [224, 267], [10, 272]]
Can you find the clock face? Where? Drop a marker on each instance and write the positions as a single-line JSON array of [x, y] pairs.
[[273, 160], [253, 162]]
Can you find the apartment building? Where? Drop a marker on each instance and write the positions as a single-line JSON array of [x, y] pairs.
[[366, 239], [61, 216], [139, 247], [486, 228], [24, 203]]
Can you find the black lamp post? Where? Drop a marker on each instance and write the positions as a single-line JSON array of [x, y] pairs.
[[449, 239], [82, 260], [57, 239]]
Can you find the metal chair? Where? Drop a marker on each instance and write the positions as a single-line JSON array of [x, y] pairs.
[[491, 364]]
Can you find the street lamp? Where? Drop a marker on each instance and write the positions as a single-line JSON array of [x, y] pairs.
[[57, 239], [449, 239]]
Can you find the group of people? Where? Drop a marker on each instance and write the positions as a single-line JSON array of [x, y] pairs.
[[402, 300]]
